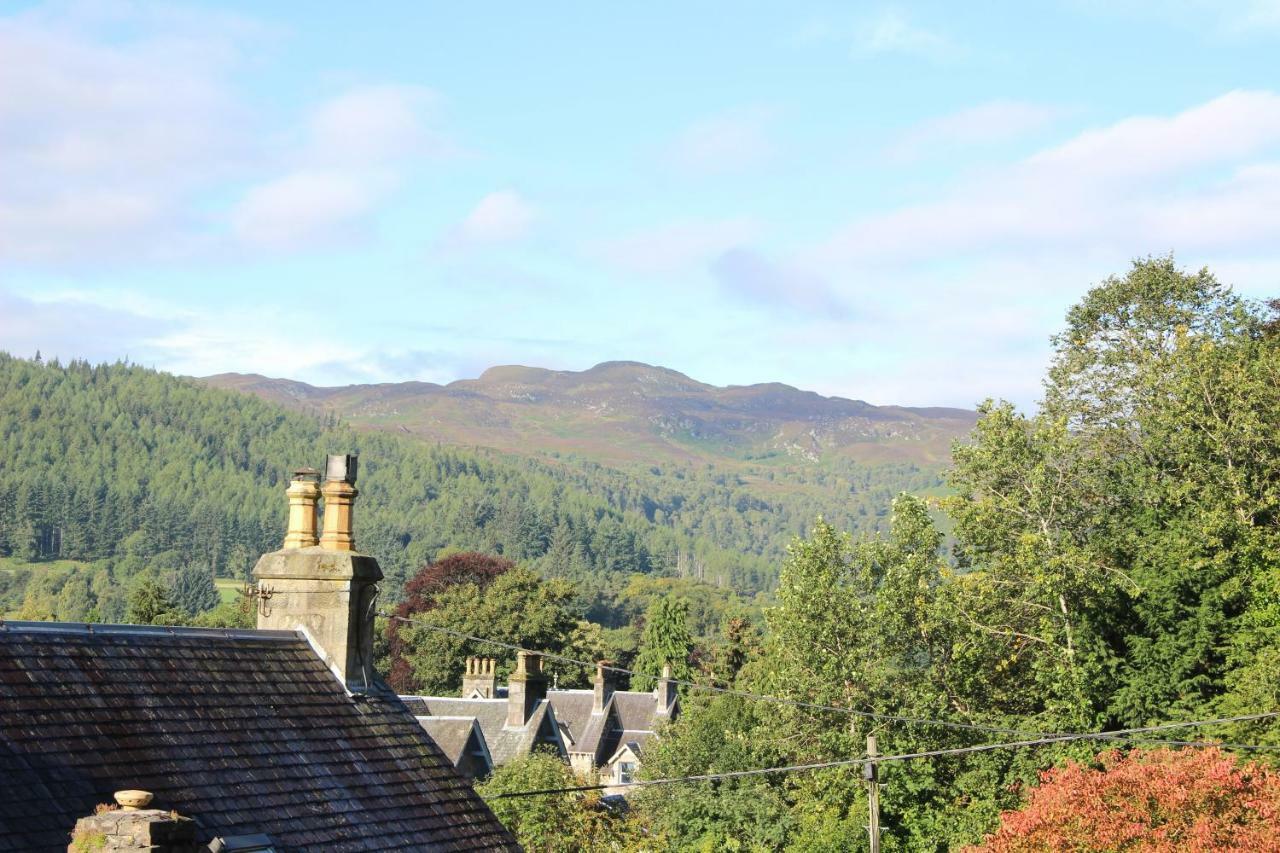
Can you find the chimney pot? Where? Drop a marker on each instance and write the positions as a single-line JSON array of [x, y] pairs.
[[303, 494], [131, 800], [339, 498], [479, 678]]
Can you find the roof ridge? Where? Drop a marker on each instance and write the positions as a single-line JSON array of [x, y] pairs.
[[113, 629]]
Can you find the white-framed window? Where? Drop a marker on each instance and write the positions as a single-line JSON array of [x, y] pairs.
[[626, 772]]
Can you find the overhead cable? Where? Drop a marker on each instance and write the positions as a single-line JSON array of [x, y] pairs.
[[906, 756]]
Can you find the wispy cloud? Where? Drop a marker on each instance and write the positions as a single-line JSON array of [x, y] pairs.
[[107, 140], [891, 31], [1146, 183], [676, 246], [503, 216], [730, 142], [125, 127], [353, 156], [983, 124], [749, 276]]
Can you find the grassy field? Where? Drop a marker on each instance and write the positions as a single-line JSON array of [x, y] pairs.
[[13, 564], [228, 588]]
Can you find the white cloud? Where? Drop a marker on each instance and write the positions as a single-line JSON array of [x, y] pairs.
[[725, 143], [106, 140], [990, 122], [749, 276], [303, 207], [892, 32], [500, 217], [1148, 184], [358, 146], [373, 124], [982, 273], [121, 121], [677, 246]]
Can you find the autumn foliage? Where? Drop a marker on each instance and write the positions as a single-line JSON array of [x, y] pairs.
[[1156, 800], [419, 592]]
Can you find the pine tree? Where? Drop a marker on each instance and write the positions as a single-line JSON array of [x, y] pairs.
[[194, 591], [666, 640]]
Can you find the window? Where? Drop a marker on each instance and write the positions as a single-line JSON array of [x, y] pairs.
[[626, 772]]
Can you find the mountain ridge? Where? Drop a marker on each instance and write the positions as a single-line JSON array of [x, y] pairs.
[[629, 411]]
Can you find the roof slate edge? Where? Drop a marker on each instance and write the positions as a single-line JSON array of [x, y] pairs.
[[89, 629]]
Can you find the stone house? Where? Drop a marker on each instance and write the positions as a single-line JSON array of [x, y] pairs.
[[606, 730], [601, 732], [513, 721], [280, 738]]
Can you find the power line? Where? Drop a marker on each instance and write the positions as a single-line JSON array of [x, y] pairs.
[[779, 700], [905, 756], [744, 694]]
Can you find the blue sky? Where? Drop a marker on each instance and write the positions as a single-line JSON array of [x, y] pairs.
[[894, 202]]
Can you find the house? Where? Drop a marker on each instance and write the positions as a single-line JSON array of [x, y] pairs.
[[601, 732], [512, 724], [606, 730], [280, 738]]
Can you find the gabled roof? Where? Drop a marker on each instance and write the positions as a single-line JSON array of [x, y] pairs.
[[505, 743], [244, 731], [573, 711], [627, 715], [454, 734]]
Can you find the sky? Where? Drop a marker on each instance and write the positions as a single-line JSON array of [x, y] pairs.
[[894, 202]]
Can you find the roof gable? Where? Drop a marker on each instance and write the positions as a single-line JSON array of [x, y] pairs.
[[245, 731], [505, 743]]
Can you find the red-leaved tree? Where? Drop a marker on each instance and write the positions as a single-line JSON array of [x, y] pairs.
[[1147, 800], [419, 597]]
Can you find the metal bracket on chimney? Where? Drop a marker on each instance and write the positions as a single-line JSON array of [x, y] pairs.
[[262, 594]]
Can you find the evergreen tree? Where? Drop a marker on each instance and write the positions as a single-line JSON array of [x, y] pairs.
[[194, 591], [151, 604], [666, 640]]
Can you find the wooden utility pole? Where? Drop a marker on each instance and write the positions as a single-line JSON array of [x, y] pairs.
[[871, 773]]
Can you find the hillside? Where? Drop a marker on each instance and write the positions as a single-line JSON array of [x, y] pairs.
[[620, 412], [138, 469]]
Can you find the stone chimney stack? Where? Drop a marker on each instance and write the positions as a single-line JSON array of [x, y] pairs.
[[527, 687], [480, 679], [665, 692], [327, 591], [133, 827], [340, 493], [304, 494], [603, 684]]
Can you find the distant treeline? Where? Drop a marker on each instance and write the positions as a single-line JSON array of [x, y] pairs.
[[120, 463]]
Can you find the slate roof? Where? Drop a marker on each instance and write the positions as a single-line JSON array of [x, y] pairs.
[[244, 731], [451, 734], [505, 743], [627, 716], [573, 712]]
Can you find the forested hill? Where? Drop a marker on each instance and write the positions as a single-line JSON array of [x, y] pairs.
[[627, 411], [123, 463]]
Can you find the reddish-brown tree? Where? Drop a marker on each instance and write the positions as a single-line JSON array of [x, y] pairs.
[[419, 596], [1147, 800]]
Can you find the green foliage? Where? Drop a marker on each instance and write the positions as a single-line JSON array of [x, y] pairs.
[[555, 822], [666, 641], [122, 466], [517, 607], [194, 591], [1127, 534], [150, 603], [716, 733]]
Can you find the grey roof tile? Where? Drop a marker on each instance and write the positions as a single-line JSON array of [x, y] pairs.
[[245, 731]]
